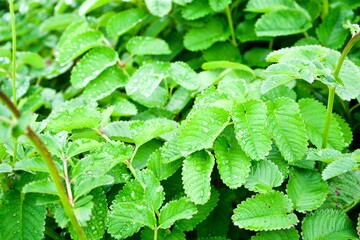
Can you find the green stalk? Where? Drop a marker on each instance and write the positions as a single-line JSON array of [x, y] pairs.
[[331, 97], [44, 152], [325, 9], [13, 64], [231, 25]]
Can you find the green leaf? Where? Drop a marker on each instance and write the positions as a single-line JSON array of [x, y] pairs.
[[59, 21], [306, 189], [314, 115], [124, 107], [285, 234], [345, 129], [179, 99], [4, 167], [157, 99], [283, 22], [174, 211], [31, 164], [124, 21], [105, 83], [196, 9], [250, 128], [40, 186], [73, 118], [146, 79], [80, 146], [31, 58], [95, 227], [87, 183], [126, 218], [184, 75], [218, 6], [344, 191], [77, 45], [21, 217], [232, 162], [331, 32], [338, 167], [234, 88], [197, 39], [162, 170], [91, 65], [158, 8], [201, 128], [153, 191], [263, 6], [287, 128], [82, 209], [144, 45], [203, 212], [226, 64], [245, 32], [327, 224], [269, 211], [90, 5], [196, 172], [264, 176]]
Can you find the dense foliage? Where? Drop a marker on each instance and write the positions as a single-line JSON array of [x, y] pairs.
[[179, 119]]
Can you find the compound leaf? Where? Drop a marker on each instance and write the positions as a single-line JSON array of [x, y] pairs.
[[306, 189], [174, 211], [124, 21], [232, 162], [159, 7], [264, 176], [250, 128], [196, 172], [287, 128], [269, 211], [327, 224], [91, 65], [201, 128], [21, 217], [283, 22], [144, 45]]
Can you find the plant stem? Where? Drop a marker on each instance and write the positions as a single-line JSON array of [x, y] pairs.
[[325, 9], [331, 97], [156, 233], [231, 25], [13, 65], [67, 182], [44, 152]]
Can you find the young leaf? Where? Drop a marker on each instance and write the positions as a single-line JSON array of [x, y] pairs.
[[90, 5], [283, 22], [327, 224], [176, 210], [85, 184], [31, 164], [157, 99], [40, 186], [197, 39], [201, 129], [59, 21], [284, 234], [196, 9], [153, 191], [146, 79], [77, 45], [269, 211], [287, 128], [263, 6], [338, 167], [218, 6], [124, 21], [81, 145], [159, 7], [144, 45], [4, 167], [306, 189], [21, 217], [123, 107], [91, 65], [179, 99], [264, 176], [104, 84], [232, 162], [196, 172], [250, 128], [331, 32], [314, 115]]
